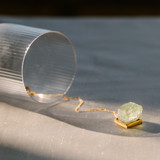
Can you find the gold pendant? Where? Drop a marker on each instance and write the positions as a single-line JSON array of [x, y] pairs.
[[133, 124]]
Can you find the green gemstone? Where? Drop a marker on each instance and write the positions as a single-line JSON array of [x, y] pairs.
[[129, 112]]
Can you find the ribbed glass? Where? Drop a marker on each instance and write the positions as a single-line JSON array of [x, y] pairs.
[[43, 61]]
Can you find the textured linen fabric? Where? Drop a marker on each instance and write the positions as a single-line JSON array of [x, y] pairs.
[[118, 62]]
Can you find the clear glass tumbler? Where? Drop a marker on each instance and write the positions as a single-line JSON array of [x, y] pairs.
[[40, 60]]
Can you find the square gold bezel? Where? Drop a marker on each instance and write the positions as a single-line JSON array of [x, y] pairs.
[[139, 121]]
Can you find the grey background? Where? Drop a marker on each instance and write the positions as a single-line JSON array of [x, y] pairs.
[[118, 62]]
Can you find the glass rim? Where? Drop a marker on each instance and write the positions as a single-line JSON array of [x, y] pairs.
[[28, 48]]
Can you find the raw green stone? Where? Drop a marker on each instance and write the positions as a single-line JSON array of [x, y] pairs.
[[129, 112]]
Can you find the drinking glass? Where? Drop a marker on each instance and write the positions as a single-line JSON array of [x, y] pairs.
[[34, 60]]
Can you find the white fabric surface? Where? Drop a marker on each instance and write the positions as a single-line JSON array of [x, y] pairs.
[[118, 62]]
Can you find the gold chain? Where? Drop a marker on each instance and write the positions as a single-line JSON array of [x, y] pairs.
[[81, 102]]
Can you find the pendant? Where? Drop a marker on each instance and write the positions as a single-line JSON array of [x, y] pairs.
[[129, 115]]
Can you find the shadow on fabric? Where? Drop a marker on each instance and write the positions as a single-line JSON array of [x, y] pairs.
[[64, 111], [8, 153]]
